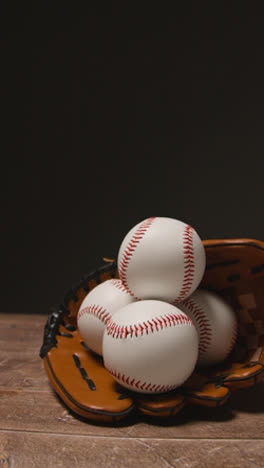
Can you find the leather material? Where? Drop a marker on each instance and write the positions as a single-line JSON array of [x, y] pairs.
[[235, 270]]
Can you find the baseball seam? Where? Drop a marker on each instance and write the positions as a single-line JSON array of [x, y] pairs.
[[205, 329], [97, 311], [138, 384], [189, 266], [149, 326], [146, 327], [233, 340], [130, 250], [119, 285]]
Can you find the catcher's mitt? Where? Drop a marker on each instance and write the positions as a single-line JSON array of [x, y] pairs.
[[235, 270]]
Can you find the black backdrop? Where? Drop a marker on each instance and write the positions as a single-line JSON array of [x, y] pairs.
[[115, 114]]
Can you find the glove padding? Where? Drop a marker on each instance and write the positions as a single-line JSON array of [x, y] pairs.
[[234, 270]]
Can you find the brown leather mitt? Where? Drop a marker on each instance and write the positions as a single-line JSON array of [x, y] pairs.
[[235, 270]]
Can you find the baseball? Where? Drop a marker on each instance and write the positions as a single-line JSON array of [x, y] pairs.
[[96, 309], [216, 325], [150, 346], [161, 258]]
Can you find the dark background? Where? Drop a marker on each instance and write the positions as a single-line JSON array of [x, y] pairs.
[[113, 114]]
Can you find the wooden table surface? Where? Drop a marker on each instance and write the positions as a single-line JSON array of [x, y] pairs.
[[37, 430]]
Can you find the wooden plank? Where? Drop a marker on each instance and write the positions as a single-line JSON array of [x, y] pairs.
[[44, 411], [23, 320], [20, 342], [23, 370], [28, 403], [28, 450], [21, 332], [23, 336]]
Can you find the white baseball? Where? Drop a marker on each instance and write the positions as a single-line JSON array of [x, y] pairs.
[[216, 325], [96, 309], [161, 258], [150, 346]]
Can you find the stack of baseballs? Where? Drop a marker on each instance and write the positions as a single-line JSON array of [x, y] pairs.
[[154, 325]]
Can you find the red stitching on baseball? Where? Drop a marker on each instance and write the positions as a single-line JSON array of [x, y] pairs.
[[188, 264], [119, 285], [139, 384], [95, 310], [203, 323], [155, 324], [129, 251], [233, 340]]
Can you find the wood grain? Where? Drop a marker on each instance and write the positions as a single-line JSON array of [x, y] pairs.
[[22, 370], [36, 429], [28, 450], [31, 411]]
